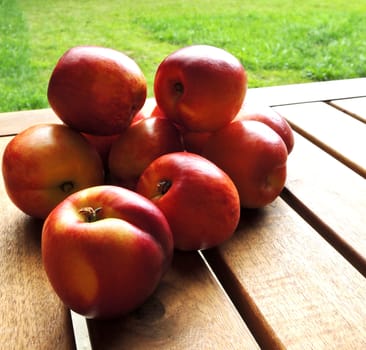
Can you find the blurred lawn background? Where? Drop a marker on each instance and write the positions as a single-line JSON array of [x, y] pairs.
[[278, 41]]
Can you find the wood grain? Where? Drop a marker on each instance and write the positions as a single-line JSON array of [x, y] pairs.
[[188, 311], [354, 106], [335, 195], [12, 123], [32, 317], [282, 274], [334, 131], [308, 92], [293, 275]]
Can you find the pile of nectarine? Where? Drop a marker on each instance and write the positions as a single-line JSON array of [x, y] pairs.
[[124, 179]]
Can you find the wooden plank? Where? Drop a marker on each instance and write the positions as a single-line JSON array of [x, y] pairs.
[[12, 123], [332, 130], [221, 316], [31, 315], [281, 273], [308, 92], [353, 106], [188, 311], [335, 194], [292, 287]]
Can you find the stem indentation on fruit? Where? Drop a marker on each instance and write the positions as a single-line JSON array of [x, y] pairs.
[[178, 87], [90, 213], [67, 186], [163, 186]]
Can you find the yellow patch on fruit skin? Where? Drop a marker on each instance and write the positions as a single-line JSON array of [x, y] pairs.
[[82, 279]]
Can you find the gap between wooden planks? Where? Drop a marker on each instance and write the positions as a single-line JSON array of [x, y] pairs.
[[32, 317], [306, 292], [189, 310], [331, 196], [355, 107], [334, 131]]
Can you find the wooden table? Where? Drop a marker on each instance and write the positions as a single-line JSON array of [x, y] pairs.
[[293, 275]]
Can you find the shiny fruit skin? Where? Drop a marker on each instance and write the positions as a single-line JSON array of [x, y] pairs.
[[138, 146], [149, 109], [271, 118], [45, 163], [199, 200], [103, 146], [200, 87], [96, 90], [254, 156], [106, 264]]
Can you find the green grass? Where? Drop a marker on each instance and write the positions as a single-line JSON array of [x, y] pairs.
[[278, 42], [17, 76]]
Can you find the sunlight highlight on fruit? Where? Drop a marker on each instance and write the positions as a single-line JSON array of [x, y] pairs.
[[82, 279], [122, 181]]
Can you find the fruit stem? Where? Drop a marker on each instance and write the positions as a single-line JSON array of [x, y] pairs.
[[90, 213], [163, 186]]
